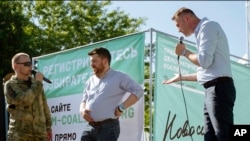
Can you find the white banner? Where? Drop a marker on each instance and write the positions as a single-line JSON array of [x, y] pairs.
[[68, 125], [69, 71]]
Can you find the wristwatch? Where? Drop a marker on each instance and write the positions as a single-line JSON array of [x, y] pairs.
[[121, 108]]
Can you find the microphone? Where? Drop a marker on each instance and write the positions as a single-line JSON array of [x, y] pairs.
[[44, 78], [181, 39], [181, 42]]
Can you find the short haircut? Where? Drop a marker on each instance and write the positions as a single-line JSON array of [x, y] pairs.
[[16, 58], [101, 52], [182, 11]]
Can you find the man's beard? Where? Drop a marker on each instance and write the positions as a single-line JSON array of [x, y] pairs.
[[98, 70]]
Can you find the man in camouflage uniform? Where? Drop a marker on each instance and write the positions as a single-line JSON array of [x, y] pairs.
[[30, 118]]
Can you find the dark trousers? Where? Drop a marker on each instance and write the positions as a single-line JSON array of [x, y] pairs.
[[218, 111], [105, 132]]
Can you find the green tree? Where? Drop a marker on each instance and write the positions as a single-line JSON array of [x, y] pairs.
[[42, 27], [75, 23], [147, 101], [14, 35]]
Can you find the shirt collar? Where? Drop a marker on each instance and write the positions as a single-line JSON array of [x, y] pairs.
[[106, 74], [196, 31]]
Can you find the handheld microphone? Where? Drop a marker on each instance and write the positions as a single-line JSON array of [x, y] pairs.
[[44, 78], [181, 42]]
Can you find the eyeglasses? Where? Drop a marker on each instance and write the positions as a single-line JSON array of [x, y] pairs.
[[27, 64]]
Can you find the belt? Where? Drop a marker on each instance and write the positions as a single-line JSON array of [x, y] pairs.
[[216, 80], [100, 123]]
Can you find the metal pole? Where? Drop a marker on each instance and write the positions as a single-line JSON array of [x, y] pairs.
[[248, 28], [150, 85]]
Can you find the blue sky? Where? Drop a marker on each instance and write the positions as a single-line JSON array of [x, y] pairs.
[[230, 14]]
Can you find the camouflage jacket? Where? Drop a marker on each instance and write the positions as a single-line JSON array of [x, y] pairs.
[[28, 108]]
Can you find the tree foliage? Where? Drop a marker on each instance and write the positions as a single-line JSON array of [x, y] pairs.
[[42, 27], [13, 34], [148, 104]]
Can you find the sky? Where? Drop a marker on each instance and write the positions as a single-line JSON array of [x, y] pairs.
[[231, 15]]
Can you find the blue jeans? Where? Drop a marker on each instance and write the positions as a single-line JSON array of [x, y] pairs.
[[106, 132], [218, 111]]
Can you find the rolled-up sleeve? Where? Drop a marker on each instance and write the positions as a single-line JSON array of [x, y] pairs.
[[207, 45], [129, 85]]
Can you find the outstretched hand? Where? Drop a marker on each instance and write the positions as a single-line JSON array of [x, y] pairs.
[[172, 80]]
